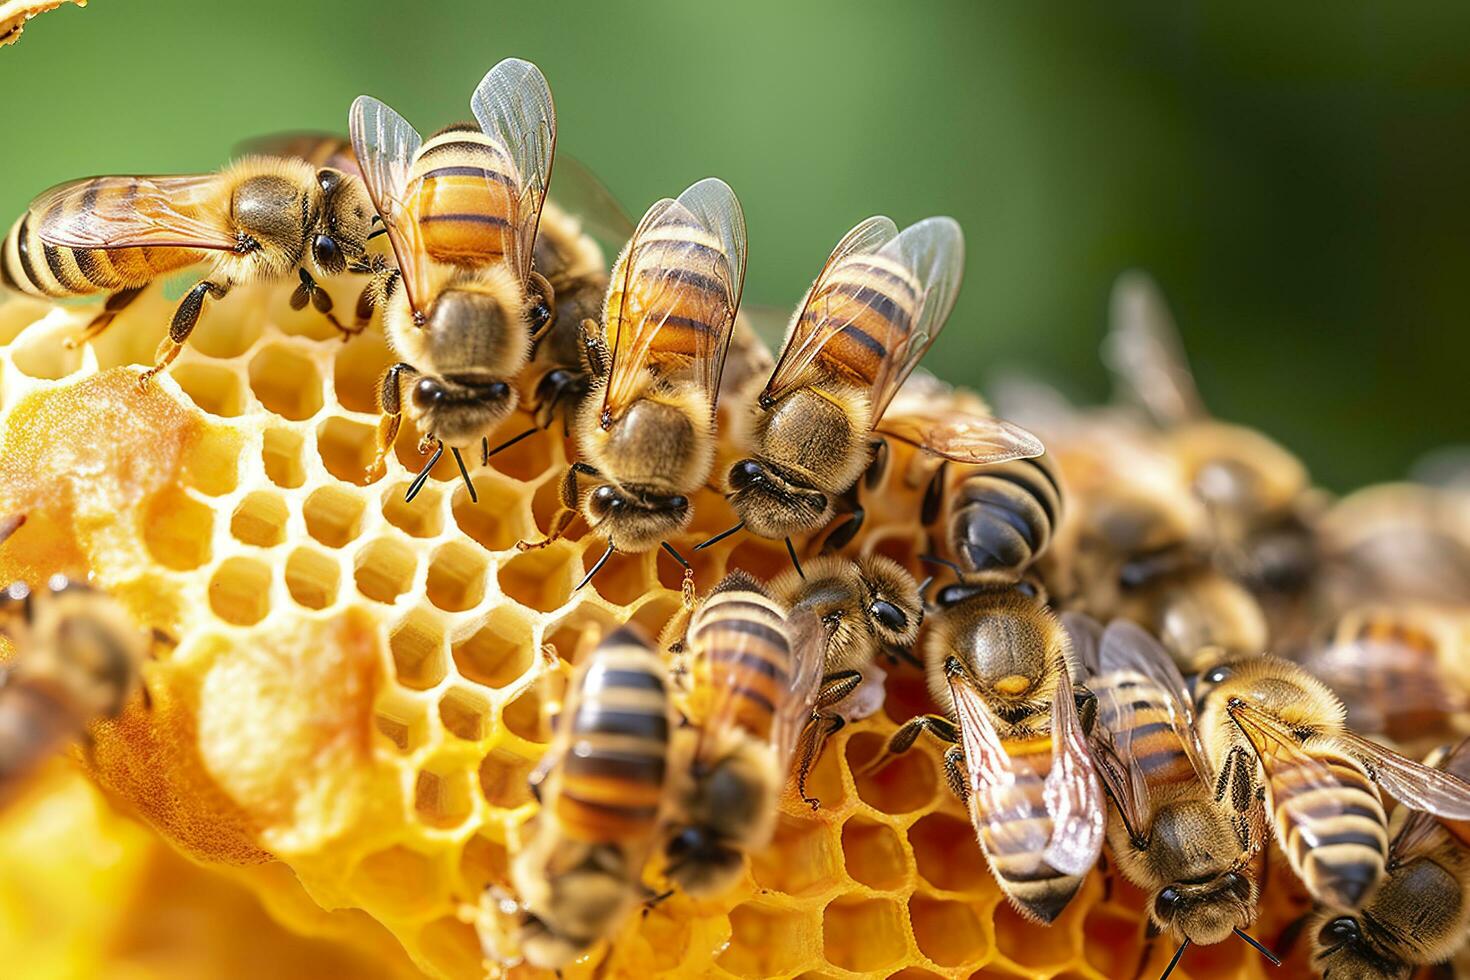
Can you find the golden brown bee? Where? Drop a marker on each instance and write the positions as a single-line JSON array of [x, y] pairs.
[[1321, 781], [1203, 616], [754, 675], [646, 430], [602, 792], [78, 658], [997, 664], [260, 218], [461, 211], [875, 308], [1399, 542], [1421, 914], [1170, 834]]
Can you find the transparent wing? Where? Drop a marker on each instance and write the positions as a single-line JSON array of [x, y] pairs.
[[935, 250], [582, 195], [1128, 647], [1085, 634], [1073, 794], [996, 808], [1413, 784], [675, 291], [385, 144], [320, 149], [1145, 354], [965, 438], [806, 636], [133, 212]]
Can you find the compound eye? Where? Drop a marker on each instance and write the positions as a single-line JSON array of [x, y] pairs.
[[1167, 903], [428, 392], [1343, 929], [328, 181], [328, 255], [678, 503], [888, 615], [497, 391], [1215, 675], [746, 473], [606, 498]]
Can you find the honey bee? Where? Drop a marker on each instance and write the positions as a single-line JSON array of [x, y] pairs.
[[754, 680], [1421, 914], [1321, 781], [320, 149], [1258, 495], [78, 658], [1170, 835], [1398, 542], [997, 664], [258, 219], [1203, 616], [877, 305], [602, 793], [461, 212], [645, 431]]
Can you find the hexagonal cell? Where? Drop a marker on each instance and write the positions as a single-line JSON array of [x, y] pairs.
[[452, 947], [947, 854], [417, 645], [540, 579], [1031, 944], [803, 859], [286, 382], [333, 516], [402, 719], [503, 779], [653, 615], [456, 579], [465, 714], [281, 451], [1113, 940], [406, 448], [227, 328], [357, 370], [905, 784], [421, 517], [913, 973], [949, 933], [527, 459], [179, 530], [621, 579], [762, 559], [212, 464], [765, 940], [312, 578], [500, 652], [862, 934], [905, 696], [214, 388], [526, 718], [706, 565], [498, 521], [441, 794], [482, 863], [384, 569], [240, 591], [260, 519], [874, 854], [347, 449], [398, 880]]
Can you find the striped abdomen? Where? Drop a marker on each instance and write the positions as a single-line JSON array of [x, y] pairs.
[[614, 744], [28, 265], [878, 300], [679, 281], [742, 660], [1001, 518], [1335, 836], [463, 187], [1138, 714]]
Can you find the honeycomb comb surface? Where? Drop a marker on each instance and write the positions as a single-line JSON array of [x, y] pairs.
[[350, 684]]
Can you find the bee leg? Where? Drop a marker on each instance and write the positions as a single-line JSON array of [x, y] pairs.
[[822, 726], [595, 355], [1150, 937], [570, 496], [115, 304], [955, 773], [849, 529], [321, 301], [873, 475], [390, 400], [1086, 709], [933, 496], [907, 734], [186, 318]]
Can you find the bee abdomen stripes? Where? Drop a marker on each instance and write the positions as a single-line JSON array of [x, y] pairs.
[[465, 196], [877, 301], [742, 653]]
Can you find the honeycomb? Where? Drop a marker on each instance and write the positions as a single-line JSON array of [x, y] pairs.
[[346, 695]]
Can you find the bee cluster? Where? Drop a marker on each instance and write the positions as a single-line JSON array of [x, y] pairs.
[[1099, 597]]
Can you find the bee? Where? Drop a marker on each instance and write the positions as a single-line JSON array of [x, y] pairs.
[[319, 149], [1398, 542], [258, 219], [78, 658], [1398, 671], [461, 212], [645, 431], [754, 680], [602, 789], [1258, 496], [1321, 781], [1421, 914], [997, 662], [878, 303], [863, 608], [1202, 615], [1170, 835]]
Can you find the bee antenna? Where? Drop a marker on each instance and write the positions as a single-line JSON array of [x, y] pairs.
[[488, 452], [423, 475], [375, 233], [1275, 960], [677, 557], [719, 537], [596, 566], [377, 220], [791, 550], [1175, 961], [942, 562], [474, 497]]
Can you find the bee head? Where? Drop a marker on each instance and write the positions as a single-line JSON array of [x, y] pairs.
[[346, 219], [636, 520], [771, 505], [893, 605], [701, 861], [461, 411], [1344, 946], [1206, 912]]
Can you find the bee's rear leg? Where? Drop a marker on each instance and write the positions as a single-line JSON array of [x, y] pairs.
[[390, 400], [115, 304], [309, 290], [186, 318], [570, 497]]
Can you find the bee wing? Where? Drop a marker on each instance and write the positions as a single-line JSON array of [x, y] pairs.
[[1073, 793], [1413, 784], [991, 772], [683, 270], [513, 106], [385, 144], [320, 149], [806, 636], [1419, 830], [1126, 646], [583, 196], [932, 251], [1085, 634], [1145, 354], [132, 212], [965, 438]]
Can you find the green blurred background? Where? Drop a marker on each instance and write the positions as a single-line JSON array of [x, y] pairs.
[[1294, 178]]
